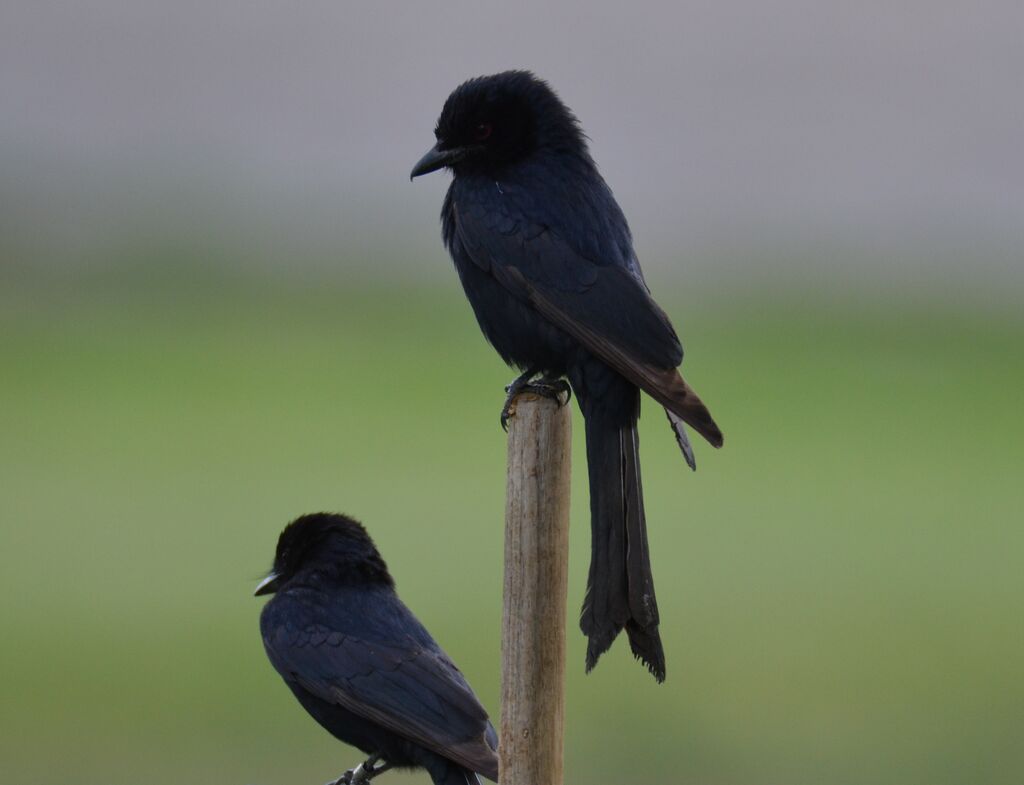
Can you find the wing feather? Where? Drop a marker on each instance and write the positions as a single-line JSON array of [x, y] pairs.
[[411, 690], [607, 308]]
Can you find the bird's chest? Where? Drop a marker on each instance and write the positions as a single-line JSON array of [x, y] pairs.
[[512, 326]]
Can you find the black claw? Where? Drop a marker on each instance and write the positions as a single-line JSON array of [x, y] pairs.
[[362, 773], [548, 387], [568, 392], [512, 389], [552, 388]]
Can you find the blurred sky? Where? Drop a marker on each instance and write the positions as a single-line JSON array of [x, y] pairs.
[[731, 132]]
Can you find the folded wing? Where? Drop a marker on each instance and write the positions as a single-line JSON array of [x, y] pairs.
[[606, 307], [412, 691]]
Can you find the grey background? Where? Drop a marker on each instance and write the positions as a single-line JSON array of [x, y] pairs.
[[875, 142]]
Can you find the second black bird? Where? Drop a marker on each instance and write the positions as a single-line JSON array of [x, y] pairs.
[[546, 259], [361, 663]]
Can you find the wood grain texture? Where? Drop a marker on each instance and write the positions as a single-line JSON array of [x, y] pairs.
[[536, 577]]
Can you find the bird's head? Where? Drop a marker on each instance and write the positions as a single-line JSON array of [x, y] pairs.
[[332, 545], [492, 121]]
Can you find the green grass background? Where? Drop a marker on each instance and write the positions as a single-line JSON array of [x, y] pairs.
[[841, 587]]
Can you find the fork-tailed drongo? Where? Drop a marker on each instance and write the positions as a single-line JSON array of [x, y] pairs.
[[362, 664], [546, 259]]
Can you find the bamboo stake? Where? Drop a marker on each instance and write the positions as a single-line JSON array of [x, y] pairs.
[[536, 575]]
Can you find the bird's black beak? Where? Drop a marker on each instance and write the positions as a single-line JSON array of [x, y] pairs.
[[268, 585], [437, 158]]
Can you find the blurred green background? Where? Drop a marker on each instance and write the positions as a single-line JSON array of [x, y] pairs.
[[222, 305], [840, 586]]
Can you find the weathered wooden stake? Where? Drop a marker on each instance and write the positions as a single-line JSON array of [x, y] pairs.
[[536, 573]]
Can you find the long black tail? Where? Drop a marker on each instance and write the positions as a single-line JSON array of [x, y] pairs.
[[620, 588]]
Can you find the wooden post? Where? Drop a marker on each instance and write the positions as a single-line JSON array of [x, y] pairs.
[[536, 577]]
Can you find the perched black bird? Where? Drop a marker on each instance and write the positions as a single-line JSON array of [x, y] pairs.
[[546, 259], [362, 664]]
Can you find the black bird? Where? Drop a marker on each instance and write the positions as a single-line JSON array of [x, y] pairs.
[[362, 664], [546, 259]]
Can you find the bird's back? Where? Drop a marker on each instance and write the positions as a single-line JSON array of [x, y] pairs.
[[365, 667]]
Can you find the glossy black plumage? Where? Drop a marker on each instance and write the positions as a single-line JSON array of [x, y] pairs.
[[546, 260], [360, 662]]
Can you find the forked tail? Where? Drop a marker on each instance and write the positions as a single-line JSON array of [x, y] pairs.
[[620, 588]]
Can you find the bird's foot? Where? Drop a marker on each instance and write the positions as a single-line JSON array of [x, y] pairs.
[[346, 778], [363, 773], [548, 387]]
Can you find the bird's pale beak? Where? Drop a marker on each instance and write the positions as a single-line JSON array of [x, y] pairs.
[[437, 158], [268, 585]]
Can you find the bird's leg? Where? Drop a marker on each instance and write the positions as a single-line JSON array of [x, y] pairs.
[[346, 778], [362, 773], [549, 387], [373, 771]]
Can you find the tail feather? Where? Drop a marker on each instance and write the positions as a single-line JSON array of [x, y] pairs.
[[620, 587], [679, 429], [606, 606]]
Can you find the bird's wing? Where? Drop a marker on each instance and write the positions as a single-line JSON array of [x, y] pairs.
[[412, 691], [606, 307]]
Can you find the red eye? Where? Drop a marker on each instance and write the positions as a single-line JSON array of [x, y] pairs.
[[483, 131]]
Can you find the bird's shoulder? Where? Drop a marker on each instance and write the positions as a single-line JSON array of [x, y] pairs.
[[548, 206], [301, 616]]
